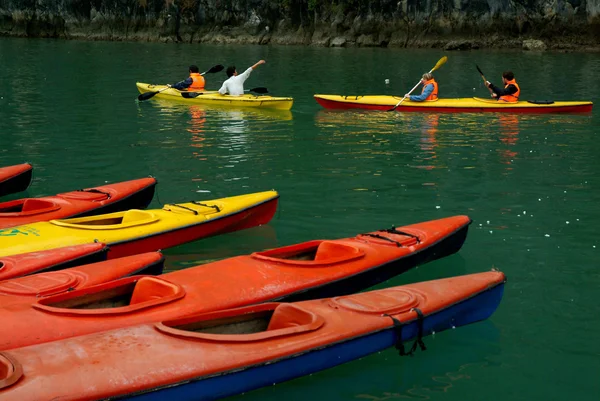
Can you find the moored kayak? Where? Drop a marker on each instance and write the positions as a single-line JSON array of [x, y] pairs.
[[460, 105], [297, 272], [29, 288], [54, 259], [216, 99], [213, 355], [135, 231], [15, 178], [134, 194]]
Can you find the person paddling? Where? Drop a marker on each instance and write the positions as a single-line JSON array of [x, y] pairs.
[[429, 92], [194, 82], [234, 85], [511, 90]]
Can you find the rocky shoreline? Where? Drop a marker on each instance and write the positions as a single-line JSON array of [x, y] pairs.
[[537, 25]]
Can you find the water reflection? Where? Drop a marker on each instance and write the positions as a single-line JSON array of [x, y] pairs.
[[509, 135]]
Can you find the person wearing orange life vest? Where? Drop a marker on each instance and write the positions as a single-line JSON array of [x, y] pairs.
[[429, 92], [193, 83], [511, 91]]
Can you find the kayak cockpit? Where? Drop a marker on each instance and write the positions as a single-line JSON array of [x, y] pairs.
[[112, 221], [312, 253], [253, 323], [26, 207], [116, 297]]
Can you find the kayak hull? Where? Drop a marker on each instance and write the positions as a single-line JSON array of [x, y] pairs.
[[216, 99], [135, 231], [160, 361], [301, 271], [15, 178], [460, 105], [55, 259], [134, 194], [32, 287]]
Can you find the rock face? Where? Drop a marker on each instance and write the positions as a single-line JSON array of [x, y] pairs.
[[448, 24]]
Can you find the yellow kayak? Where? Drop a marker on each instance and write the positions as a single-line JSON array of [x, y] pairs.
[[136, 231], [459, 105], [214, 98]]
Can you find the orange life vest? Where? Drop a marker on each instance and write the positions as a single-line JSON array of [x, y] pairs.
[[514, 97], [197, 81], [434, 94]]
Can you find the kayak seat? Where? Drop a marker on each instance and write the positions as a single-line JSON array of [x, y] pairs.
[[27, 207], [331, 250], [111, 221], [286, 316], [312, 253], [148, 289], [132, 216]]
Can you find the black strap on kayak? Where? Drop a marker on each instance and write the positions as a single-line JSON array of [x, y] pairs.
[[205, 205], [183, 207], [393, 230], [399, 245], [398, 329], [541, 101], [95, 191]]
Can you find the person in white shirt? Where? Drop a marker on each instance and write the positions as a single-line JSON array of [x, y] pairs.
[[234, 85]]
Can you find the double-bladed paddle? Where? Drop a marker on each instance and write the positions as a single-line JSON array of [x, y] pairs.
[[149, 95], [440, 63], [191, 95]]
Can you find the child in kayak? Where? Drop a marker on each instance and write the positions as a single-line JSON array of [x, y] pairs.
[[429, 92], [194, 82], [511, 90], [234, 85]]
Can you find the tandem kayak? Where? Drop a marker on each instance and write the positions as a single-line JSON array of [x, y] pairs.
[[216, 99], [213, 355], [134, 194], [29, 288], [135, 231], [297, 272], [55, 259], [461, 105], [15, 178]]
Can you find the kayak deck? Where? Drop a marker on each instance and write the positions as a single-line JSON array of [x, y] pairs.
[[216, 99], [457, 105]]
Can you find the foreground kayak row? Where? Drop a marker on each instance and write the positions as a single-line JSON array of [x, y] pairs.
[[298, 272], [15, 178], [211, 355], [461, 105], [216, 99]]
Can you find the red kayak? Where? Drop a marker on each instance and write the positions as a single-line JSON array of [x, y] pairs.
[[15, 178], [134, 194], [312, 269], [54, 259], [29, 288], [213, 355]]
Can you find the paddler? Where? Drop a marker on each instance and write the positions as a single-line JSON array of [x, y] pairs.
[[429, 92], [192, 83], [511, 91], [234, 85]]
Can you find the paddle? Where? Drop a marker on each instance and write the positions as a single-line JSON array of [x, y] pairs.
[[440, 63], [483, 77], [149, 95], [191, 95]]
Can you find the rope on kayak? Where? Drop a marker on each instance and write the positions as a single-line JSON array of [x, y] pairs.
[[399, 245], [183, 207], [394, 231], [398, 330], [205, 205]]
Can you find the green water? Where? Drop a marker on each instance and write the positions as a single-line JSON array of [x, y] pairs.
[[530, 183]]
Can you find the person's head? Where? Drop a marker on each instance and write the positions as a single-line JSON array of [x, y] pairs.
[[194, 69], [231, 71], [427, 77], [507, 76]]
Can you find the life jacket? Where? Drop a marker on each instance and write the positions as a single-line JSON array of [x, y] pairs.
[[197, 81], [434, 94], [514, 97]]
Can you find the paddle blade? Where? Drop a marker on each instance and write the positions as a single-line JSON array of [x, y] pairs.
[[259, 90], [190, 95], [440, 63], [146, 96], [213, 69]]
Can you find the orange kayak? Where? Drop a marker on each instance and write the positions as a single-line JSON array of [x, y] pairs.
[[27, 289], [312, 269], [213, 355], [54, 259], [15, 178], [134, 194]]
